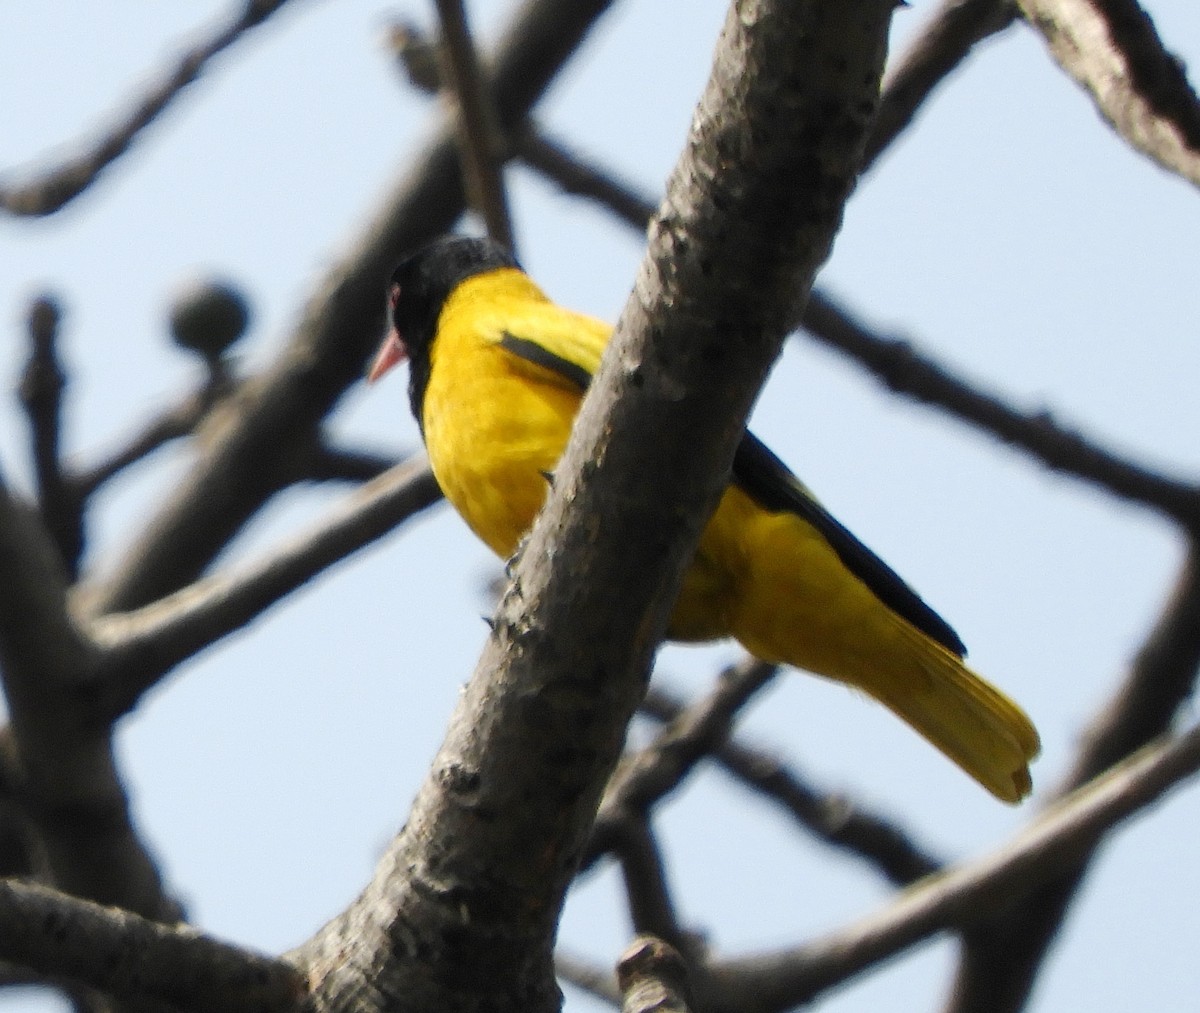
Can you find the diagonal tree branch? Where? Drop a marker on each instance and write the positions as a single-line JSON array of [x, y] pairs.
[[58, 187], [833, 818], [143, 646], [651, 907], [952, 33], [1055, 842], [898, 364], [1111, 49], [647, 777], [172, 424], [540, 725], [132, 958]]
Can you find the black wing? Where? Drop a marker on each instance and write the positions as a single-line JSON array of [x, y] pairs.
[[768, 482], [540, 355], [766, 479]]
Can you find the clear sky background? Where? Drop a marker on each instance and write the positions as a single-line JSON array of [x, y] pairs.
[[1010, 234]]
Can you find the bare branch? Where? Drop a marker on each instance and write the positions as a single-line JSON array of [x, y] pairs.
[[898, 364], [653, 978], [340, 464], [579, 178], [66, 762], [41, 391], [952, 32], [58, 187], [134, 958], [479, 143], [173, 424], [527, 140], [598, 982], [1111, 49], [650, 775], [833, 818], [651, 908], [1045, 849], [141, 647]]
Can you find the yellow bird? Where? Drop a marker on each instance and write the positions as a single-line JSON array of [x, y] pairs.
[[497, 372]]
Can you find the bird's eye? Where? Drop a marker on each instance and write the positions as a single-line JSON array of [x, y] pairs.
[[394, 295]]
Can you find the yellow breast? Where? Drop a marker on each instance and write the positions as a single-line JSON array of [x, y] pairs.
[[495, 424]]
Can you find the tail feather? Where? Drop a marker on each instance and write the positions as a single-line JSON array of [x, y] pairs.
[[969, 720]]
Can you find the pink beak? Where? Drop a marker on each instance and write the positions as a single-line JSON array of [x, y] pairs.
[[391, 353]]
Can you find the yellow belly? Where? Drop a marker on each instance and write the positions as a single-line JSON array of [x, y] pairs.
[[495, 429]]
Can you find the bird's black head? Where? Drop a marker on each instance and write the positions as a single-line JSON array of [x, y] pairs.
[[420, 286]]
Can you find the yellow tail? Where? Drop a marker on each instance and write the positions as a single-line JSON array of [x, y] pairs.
[[793, 601], [969, 720]]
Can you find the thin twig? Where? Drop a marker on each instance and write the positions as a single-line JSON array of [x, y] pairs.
[[833, 818], [53, 190], [649, 775], [580, 178], [897, 363], [478, 136], [948, 38], [173, 424], [140, 647], [41, 391]]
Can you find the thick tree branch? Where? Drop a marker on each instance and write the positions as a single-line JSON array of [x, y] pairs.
[[750, 214], [141, 647], [651, 908], [955, 899], [135, 959], [69, 774], [58, 187], [1111, 49]]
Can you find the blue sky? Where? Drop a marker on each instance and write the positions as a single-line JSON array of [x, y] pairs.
[[1011, 234]]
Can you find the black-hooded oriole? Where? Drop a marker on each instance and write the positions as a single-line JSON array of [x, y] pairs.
[[497, 372]]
